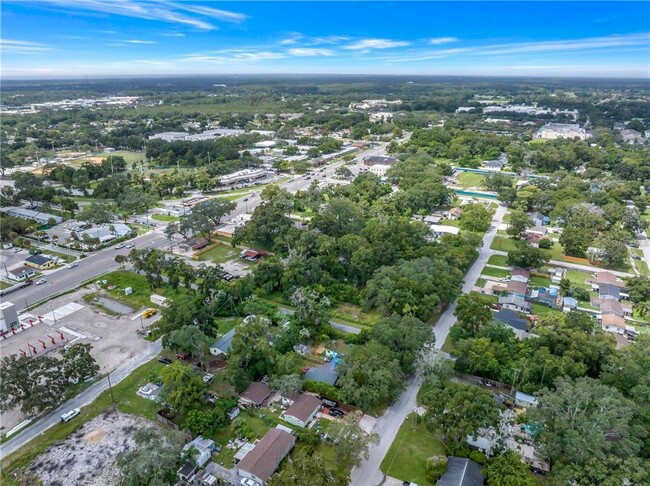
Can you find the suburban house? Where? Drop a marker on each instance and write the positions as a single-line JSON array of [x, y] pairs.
[[525, 400], [608, 278], [515, 303], [461, 472], [550, 297], [612, 306], [233, 413], [512, 319], [439, 230], [260, 463], [432, 219], [557, 274], [40, 262], [253, 255], [517, 288], [21, 273], [569, 304], [255, 394], [519, 275], [303, 410], [539, 219], [105, 232], [537, 231], [608, 291], [203, 447], [222, 345], [194, 244], [613, 323], [454, 213], [322, 375]]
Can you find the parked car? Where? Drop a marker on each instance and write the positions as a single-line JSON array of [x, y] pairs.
[[66, 417], [149, 313], [17, 250], [72, 265], [164, 360], [249, 482], [180, 356], [119, 246], [130, 245], [335, 412], [40, 281], [146, 391]]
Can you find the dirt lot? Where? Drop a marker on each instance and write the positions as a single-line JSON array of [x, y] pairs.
[[88, 456], [113, 338]]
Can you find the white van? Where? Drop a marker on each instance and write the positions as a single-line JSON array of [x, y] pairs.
[[66, 417]]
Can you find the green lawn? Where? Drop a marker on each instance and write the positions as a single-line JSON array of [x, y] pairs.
[[480, 282], [540, 281], [578, 278], [141, 290], [495, 272], [63, 256], [503, 244], [541, 310], [450, 222], [499, 260], [165, 218], [220, 254], [353, 313], [470, 179], [4, 285], [407, 456]]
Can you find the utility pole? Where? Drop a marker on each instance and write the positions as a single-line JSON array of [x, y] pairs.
[[110, 388]]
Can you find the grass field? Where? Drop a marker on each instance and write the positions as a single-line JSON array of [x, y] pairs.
[[469, 179], [352, 313], [499, 260], [503, 244], [541, 310], [141, 289], [495, 272], [4, 285], [165, 218], [407, 456], [540, 281], [220, 254]]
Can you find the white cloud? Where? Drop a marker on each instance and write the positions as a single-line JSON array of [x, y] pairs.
[[375, 44], [442, 40], [288, 42], [310, 52], [138, 41], [163, 11], [22, 47], [172, 34]]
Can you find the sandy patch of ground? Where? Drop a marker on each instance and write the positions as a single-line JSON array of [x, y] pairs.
[[88, 456]]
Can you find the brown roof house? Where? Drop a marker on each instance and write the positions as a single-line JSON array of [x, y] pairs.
[[194, 244], [609, 278], [260, 463], [613, 323], [255, 394], [517, 288], [303, 410], [520, 275], [454, 213]]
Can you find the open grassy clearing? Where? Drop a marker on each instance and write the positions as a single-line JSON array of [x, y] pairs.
[[470, 179], [220, 254], [495, 272], [165, 218], [407, 456], [499, 260]]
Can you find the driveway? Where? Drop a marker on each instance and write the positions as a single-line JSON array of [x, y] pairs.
[[387, 426]]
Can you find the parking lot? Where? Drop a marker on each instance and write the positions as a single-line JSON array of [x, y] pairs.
[[69, 319]]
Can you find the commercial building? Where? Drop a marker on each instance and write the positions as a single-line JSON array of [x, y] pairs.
[[40, 262], [553, 131], [39, 217], [242, 175], [8, 316]]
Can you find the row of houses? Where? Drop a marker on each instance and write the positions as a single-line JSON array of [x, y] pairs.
[[613, 312]]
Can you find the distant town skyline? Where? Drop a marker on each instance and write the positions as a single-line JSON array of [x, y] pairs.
[[72, 38]]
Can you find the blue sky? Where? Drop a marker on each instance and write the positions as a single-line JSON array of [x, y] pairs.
[[62, 38]]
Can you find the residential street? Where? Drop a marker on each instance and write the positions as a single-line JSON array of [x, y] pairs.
[[368, 473], [84, 398]]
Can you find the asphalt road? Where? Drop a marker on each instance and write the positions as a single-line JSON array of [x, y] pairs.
[[84, 398], [65, 279], [387, 426]]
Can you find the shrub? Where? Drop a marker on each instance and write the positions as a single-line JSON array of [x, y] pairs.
[[545, 243], [435, 468]]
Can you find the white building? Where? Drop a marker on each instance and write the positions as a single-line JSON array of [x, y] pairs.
[[553, 131], [242, 175]]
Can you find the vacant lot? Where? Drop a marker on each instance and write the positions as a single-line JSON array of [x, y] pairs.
[[407, 457], [88, 455]]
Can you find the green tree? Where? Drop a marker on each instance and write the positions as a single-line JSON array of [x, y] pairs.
[[508, 470], [33, 383], [155, 459], [519, 222], [78, 363], [370, 375], [182, 387], [189, 340], [340, 217], [459, 410], [308, 467], [251, 354], [405, 336], [527, 256], [312, 308], [352, 442], [287, 384], [476, 218], [473, 312]]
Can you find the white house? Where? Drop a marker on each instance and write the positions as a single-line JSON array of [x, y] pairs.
[[303, 410]]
